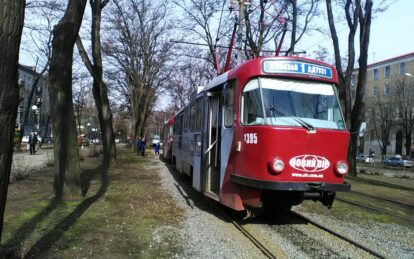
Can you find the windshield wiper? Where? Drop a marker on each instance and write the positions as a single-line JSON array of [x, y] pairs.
[[301, 122]]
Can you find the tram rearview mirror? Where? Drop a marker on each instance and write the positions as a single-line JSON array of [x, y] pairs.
[[362, 129]]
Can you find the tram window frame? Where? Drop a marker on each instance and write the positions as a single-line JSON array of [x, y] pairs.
[[199, 114], [261, 114], [229, 104]]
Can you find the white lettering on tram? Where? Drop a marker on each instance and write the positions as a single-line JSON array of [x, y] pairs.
[[250, 138], [309, 163]]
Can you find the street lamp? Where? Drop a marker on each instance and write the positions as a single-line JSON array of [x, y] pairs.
[[36, 109], [409, 75]]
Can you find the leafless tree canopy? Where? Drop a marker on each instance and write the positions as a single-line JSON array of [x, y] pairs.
[[138, 50]]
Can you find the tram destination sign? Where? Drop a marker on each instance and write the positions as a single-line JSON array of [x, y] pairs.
[[297, 68]]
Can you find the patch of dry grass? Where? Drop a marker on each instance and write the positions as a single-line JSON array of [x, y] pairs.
[[131, 217]]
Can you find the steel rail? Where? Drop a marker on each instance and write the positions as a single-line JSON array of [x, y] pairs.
[[373, 209], [246, 233], [343, 237]]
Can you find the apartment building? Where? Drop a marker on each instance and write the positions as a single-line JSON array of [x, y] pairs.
[[39, 107], [384, 81]]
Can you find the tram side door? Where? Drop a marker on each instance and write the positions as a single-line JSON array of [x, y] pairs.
[[211, 152]]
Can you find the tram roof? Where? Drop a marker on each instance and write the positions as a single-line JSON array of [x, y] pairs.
[[218, 80]]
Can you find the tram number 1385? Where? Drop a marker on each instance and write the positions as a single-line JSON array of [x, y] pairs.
[[250, 138]]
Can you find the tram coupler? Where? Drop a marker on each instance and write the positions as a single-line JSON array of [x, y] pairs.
[[328, 199]]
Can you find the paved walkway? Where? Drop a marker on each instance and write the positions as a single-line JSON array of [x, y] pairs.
[[31, 162]]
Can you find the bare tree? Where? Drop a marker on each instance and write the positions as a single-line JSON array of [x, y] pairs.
[[139, 51], [382, 117], [60, 91], [11, 26], [185, 79], [264, 23], [37, 41], [199, 24], [300, 15], [404, 99], [80, 90], [356, 14], [100, 89]]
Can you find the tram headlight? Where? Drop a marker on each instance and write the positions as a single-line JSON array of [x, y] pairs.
[[277, 166], [341, 168]]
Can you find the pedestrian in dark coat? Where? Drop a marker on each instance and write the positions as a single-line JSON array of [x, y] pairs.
[[139, 145], [32, 142]]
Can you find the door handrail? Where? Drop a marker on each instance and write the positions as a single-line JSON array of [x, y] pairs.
[[210, 147]]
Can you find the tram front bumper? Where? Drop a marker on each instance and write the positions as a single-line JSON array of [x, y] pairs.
[[290, 186]]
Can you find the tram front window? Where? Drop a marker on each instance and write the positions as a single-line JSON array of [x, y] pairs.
[[292, 103]]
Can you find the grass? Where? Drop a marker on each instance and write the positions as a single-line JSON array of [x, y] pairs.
[[131, 217]]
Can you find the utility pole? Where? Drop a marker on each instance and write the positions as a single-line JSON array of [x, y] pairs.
[[240, 32]]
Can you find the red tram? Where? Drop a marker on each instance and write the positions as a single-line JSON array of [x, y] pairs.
[[267, 134]]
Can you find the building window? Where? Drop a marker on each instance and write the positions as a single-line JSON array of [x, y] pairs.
[[387, 71], [376, 74], [374, 90], [402, 68], [386, 89]]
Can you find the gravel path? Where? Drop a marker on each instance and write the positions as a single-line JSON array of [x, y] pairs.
[[391, 240], [205, 233]]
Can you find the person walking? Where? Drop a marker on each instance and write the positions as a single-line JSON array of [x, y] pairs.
[[32, 142], [157, 149], [143, 146], [138, 145]]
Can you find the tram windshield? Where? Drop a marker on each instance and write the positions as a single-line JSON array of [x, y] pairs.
[[286, 102]]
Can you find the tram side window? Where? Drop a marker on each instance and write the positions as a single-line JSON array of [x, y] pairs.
[[193, 117], [252, 112], [177, 128], [229, 105]]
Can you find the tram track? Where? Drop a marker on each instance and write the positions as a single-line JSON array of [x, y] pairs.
[[338, 235], [405, 205], [266, 252], [249, 236], [373, 209]]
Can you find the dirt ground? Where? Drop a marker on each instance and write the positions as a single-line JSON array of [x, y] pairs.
[[116, 217]]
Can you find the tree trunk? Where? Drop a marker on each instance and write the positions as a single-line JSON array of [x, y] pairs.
[[408, 140], [335, 43], [60, 92], [100, 89], [359, 104], [11, 25], [294, 26]]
